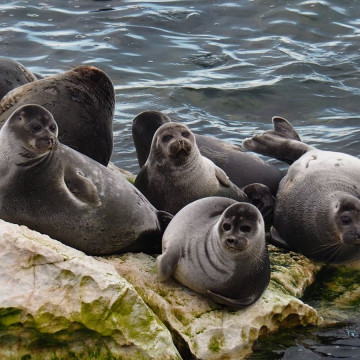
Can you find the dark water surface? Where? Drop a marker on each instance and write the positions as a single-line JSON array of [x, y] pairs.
[[224, 69]]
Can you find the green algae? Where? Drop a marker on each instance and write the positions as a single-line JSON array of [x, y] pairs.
[[216, 343]]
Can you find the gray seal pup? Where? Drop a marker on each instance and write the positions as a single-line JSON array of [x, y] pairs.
[[242, 168], [176, 174], [12, 75], [216, 247], [317, 207], [58, 191], [82, 102]]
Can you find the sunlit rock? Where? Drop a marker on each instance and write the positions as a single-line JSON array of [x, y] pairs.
[[57, 303], [206, 330]]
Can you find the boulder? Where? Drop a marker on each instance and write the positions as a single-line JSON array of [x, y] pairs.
[[58, 303], [202, 329]]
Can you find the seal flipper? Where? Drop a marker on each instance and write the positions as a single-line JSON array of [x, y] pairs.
[[167, 262], [164, 219], [260, 196], [238, 303], [222, 177], [81, 187], [282, 143], [277, 240]]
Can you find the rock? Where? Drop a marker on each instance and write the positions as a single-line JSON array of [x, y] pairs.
[[203, 329], [58, 303]]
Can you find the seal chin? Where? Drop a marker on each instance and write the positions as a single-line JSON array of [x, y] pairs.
[[180, 150]]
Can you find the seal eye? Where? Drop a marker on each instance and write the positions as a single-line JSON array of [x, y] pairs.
[[185, 134], [36, 127], [52, 128], [167, 138], [226, 227], [245, 228], [345, 220]]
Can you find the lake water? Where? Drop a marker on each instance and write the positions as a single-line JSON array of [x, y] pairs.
[[223, 68]]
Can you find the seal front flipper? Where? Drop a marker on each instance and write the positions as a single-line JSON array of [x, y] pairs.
[[167, 262], [164, 219], [222, 177], [260, 196], [277, 240], [81, 187], [238, 303]]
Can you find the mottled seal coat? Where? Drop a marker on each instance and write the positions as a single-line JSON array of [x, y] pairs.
[[82, 102], [58, 191], [317, 207], [12, 75], [216, 247], [241, 167], [176, 174]]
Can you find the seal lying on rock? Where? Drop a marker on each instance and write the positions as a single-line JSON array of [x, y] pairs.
[[12, 75], [176, 174], [82, 102], [241, 167], [216, 247], [58, 191], [317, 207]]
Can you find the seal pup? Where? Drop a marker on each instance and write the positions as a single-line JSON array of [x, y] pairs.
[[82, 102], [176, 174], [317, 207], [12, 75], [58, 191], [242, 168], [216, 247]]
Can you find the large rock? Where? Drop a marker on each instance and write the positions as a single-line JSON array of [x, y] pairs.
[[205, 330], [58, 303]]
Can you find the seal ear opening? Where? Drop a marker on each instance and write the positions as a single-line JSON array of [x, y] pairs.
[[164, 219]]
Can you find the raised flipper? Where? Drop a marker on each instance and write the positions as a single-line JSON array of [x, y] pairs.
[[277, 240], [282, 143], [238, 303], [81, 187], [164, 219], [167, 262], [260, 196], [222, 177]]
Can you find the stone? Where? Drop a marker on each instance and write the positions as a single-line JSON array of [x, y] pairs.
[[202, 329], [58, 303]]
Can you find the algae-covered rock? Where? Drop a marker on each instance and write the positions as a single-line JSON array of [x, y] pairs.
[[205, 330], [58, 303]]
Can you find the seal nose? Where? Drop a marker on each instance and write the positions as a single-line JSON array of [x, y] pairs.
[[238, 244], [52, 142]]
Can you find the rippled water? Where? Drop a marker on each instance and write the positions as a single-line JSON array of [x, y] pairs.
[[223, 68]]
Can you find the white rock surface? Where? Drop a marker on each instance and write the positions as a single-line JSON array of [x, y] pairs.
[[206, 330], [58, 303]]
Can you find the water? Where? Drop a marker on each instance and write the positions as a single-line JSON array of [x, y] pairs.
[[223, 68]]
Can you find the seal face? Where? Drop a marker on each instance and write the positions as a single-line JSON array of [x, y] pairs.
[[317, 207], [225, 258], [58, 191], [241, 167], [176, 174], [81, 100]]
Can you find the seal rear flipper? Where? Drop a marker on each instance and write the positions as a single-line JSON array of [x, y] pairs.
[[167, 262], [164, 219], [81, 187], [277, 240], [282, 143], [238, 303], [260, 196]]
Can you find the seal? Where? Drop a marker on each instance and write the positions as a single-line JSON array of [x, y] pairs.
[[12, 75], [216, 247], [242, 168], [176, 174], [317, 207], [81, 100], [58, 191]]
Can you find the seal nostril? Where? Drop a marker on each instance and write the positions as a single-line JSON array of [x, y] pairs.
[[245, 228], [230, 241]]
